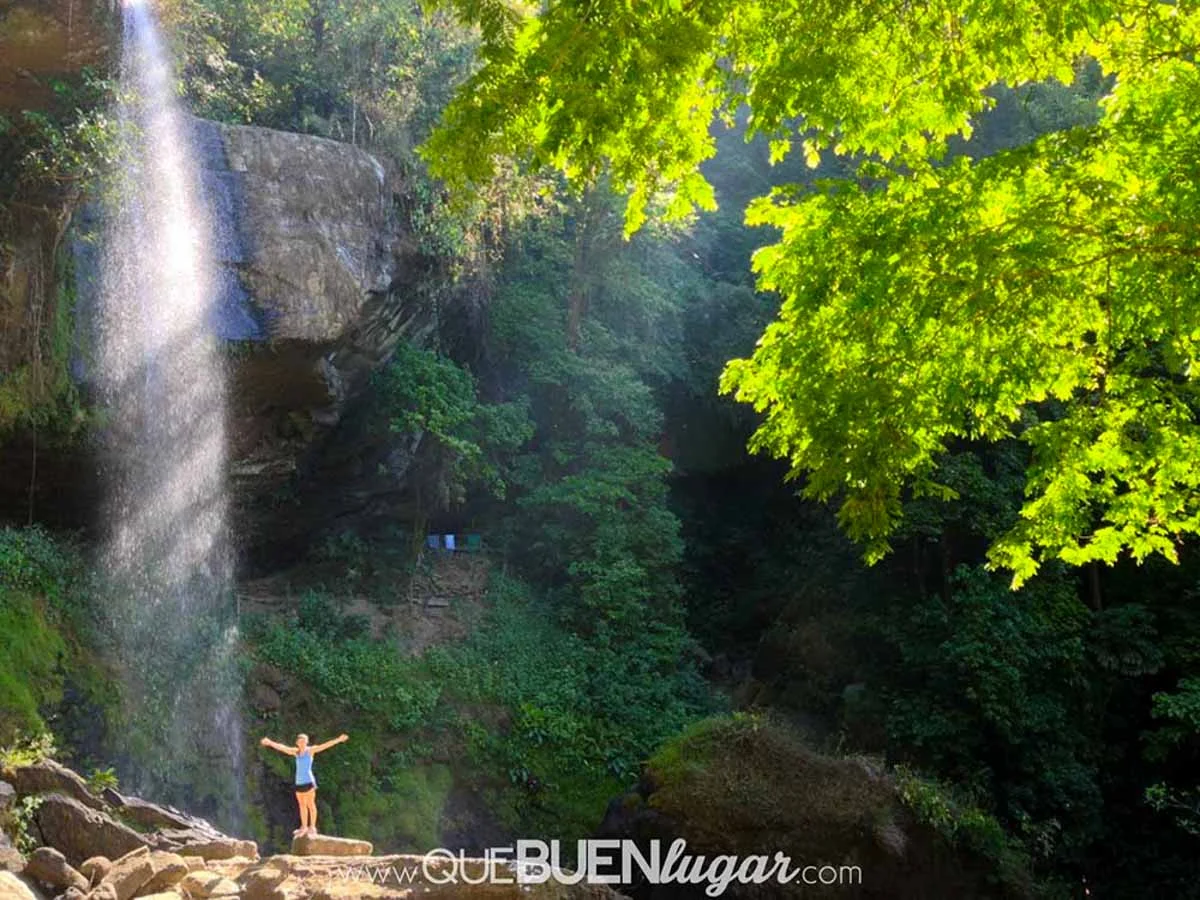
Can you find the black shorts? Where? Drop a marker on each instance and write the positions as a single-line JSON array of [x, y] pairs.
[[305, 788]]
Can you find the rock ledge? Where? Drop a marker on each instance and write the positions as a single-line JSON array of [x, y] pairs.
[[324, 845]]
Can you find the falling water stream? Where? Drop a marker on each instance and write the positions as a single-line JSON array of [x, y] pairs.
[[167, 557]]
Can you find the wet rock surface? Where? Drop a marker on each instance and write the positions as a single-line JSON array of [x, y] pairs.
[[47, 866]]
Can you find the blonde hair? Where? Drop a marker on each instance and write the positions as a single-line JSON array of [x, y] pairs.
[[303, 737]]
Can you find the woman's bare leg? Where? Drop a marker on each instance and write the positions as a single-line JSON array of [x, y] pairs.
[[302, 803], [312, 811]]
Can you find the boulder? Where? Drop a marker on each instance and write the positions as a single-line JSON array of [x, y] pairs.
[[80, 833], [132, 854], [322, 222], [11, 859], [208, 884], [13, 887], [47, 776], [272, 676], [751, 788], [130, 874], [170, 838], [216, 848], [103, 892], [359, 891], [169, 870], [324, 845], [262, 883], [161, 895], [199, 833], [8, 796], [265, 698], [50, 867], [94, 868], [891, 837], [194, 862]]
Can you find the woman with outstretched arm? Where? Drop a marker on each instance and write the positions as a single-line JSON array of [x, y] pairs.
[[306, 782]]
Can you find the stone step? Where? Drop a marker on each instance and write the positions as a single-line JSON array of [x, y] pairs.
[[324, 845]]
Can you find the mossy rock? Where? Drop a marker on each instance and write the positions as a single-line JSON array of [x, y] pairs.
[[746, 786], [30, 648], [742, 784], [408, 814]]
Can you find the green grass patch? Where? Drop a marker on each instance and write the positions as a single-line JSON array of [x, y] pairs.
[[41, 608], [30, 648]]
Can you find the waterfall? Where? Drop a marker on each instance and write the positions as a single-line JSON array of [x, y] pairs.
[[166, 560]]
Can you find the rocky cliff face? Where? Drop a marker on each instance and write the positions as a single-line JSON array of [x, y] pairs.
[[320, 277], [321, 280]]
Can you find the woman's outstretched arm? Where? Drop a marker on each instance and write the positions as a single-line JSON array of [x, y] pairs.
[[340, 739], [275, 745]]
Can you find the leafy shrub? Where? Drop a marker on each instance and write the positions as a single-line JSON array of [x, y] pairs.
[[103, 779], [961, 823], [423, 393], [27, 750], [978, 672], [33, 562], [581, 718], [370, 678], [22, 816]]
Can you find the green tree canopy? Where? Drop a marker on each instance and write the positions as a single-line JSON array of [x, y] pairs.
[[1046, 292]]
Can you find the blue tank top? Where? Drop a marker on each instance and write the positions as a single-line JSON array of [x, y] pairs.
[[304, 773]]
